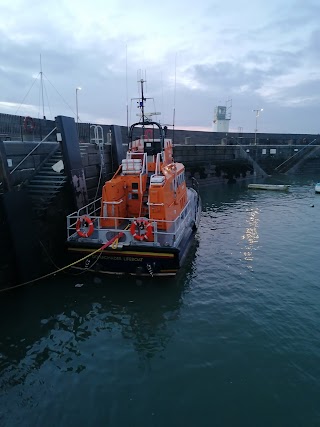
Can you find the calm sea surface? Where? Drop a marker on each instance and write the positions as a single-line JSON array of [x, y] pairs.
[[233, 341]]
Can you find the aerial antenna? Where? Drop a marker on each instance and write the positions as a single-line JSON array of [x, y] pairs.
[[174, 97], [162, 100], [139, 78], [127, 88], [41, 80], [145, 79], [142, 100], [144, 116]]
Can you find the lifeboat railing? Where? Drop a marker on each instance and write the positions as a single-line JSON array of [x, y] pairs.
[[173, 236], [112, 204]]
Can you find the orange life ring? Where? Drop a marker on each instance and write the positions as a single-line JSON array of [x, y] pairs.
[[29, 124], [89, 223], [138, 226]]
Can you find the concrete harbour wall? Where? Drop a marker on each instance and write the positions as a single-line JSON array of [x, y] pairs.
[[209, 157]]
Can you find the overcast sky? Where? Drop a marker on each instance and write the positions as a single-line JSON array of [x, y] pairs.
[[261, 54]]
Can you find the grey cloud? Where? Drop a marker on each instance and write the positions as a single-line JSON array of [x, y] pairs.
[[99, 67], [227, 76]]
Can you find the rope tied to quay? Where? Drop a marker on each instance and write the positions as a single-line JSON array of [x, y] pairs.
[[29, 282]]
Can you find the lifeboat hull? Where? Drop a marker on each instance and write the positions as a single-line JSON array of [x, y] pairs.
[[137, 261]]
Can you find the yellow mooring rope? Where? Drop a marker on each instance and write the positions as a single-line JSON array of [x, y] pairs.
[[110, 242]]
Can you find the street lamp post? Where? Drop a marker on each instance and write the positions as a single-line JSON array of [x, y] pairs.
[[257, 111], [77, 89]]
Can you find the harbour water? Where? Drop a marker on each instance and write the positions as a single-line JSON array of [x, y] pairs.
[[232, 341]]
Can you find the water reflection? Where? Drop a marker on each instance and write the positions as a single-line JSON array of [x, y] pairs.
[[221, 203], [251, 235], [69, 325]]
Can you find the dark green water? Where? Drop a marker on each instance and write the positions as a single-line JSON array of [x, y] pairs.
[[233, 341]]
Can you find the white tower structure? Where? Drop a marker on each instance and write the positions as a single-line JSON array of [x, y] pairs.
[[222, 117]]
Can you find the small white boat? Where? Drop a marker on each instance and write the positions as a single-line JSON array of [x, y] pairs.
[[317, 187], [275, 187]]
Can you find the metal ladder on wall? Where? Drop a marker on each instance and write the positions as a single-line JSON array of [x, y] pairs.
[[47, 181], [44, 186], [98, 139]]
